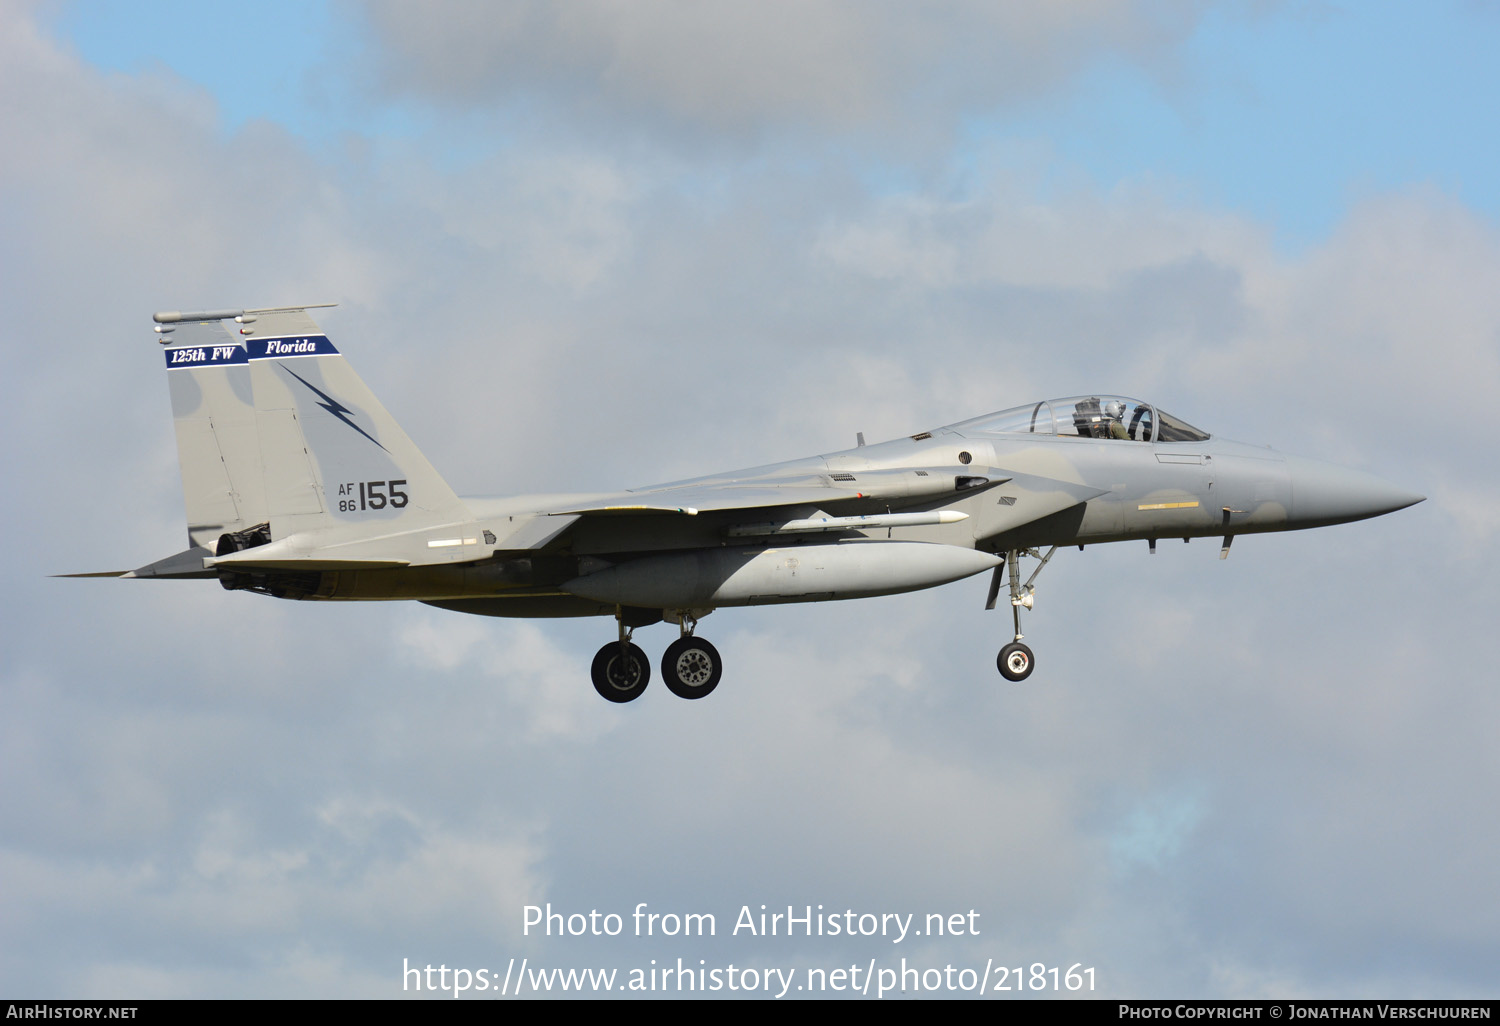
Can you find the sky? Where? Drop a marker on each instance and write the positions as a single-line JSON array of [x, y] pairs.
[[600, 245]]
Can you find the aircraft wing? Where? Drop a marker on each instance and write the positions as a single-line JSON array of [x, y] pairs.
[[760, 505], [830, 491]]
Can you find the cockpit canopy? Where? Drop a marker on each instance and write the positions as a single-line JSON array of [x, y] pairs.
[[1088, 416]]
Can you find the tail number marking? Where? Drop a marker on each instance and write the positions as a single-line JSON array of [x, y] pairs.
[[372, 495]]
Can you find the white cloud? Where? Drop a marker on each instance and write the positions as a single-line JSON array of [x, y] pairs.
[[728, 66], [538, 679]]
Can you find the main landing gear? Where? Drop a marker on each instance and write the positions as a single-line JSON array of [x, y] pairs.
[[691, 667], [620, 669], [1016, 660]]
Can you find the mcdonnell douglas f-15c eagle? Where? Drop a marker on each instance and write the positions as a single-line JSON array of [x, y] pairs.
[[299, 484]]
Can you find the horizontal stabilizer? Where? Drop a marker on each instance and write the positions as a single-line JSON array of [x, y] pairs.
[[246, 561], [185, 565]]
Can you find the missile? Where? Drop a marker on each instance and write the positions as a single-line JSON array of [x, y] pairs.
[[870, 522]]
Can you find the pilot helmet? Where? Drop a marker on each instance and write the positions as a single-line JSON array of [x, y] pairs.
[[1115, 409]]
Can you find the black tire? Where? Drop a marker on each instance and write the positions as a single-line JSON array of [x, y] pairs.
[[691, 668], [1016, 661], [621, 679]]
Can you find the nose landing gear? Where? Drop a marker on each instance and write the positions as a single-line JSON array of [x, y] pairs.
[[1016, 660]]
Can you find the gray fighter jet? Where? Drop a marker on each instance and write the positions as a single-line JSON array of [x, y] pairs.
[[298, 484]]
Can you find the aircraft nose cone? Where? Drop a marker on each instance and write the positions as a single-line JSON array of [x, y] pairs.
[[1325, 493]]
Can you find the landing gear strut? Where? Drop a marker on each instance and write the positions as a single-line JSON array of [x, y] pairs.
[[1016, 660], [621, 671], [691, 667]]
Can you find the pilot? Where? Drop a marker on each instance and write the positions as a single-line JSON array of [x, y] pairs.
[[1114, 419]]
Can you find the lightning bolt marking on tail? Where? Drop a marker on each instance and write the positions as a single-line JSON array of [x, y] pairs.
[[333, 406]]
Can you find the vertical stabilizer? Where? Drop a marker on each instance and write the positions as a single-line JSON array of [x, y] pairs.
[[331, 454], [274, 427], [213, 411]]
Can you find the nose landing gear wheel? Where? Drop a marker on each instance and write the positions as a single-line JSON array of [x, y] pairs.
[[691, 668], [620, 672], [1015, 661]]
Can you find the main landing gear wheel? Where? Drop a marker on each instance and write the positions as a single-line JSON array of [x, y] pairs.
[[621, 672], [1016, 661], [691, 667]]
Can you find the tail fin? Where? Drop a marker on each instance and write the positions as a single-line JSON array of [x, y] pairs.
[[213, 410], [286, 412]]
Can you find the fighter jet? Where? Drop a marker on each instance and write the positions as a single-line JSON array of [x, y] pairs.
[[299, 485]]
